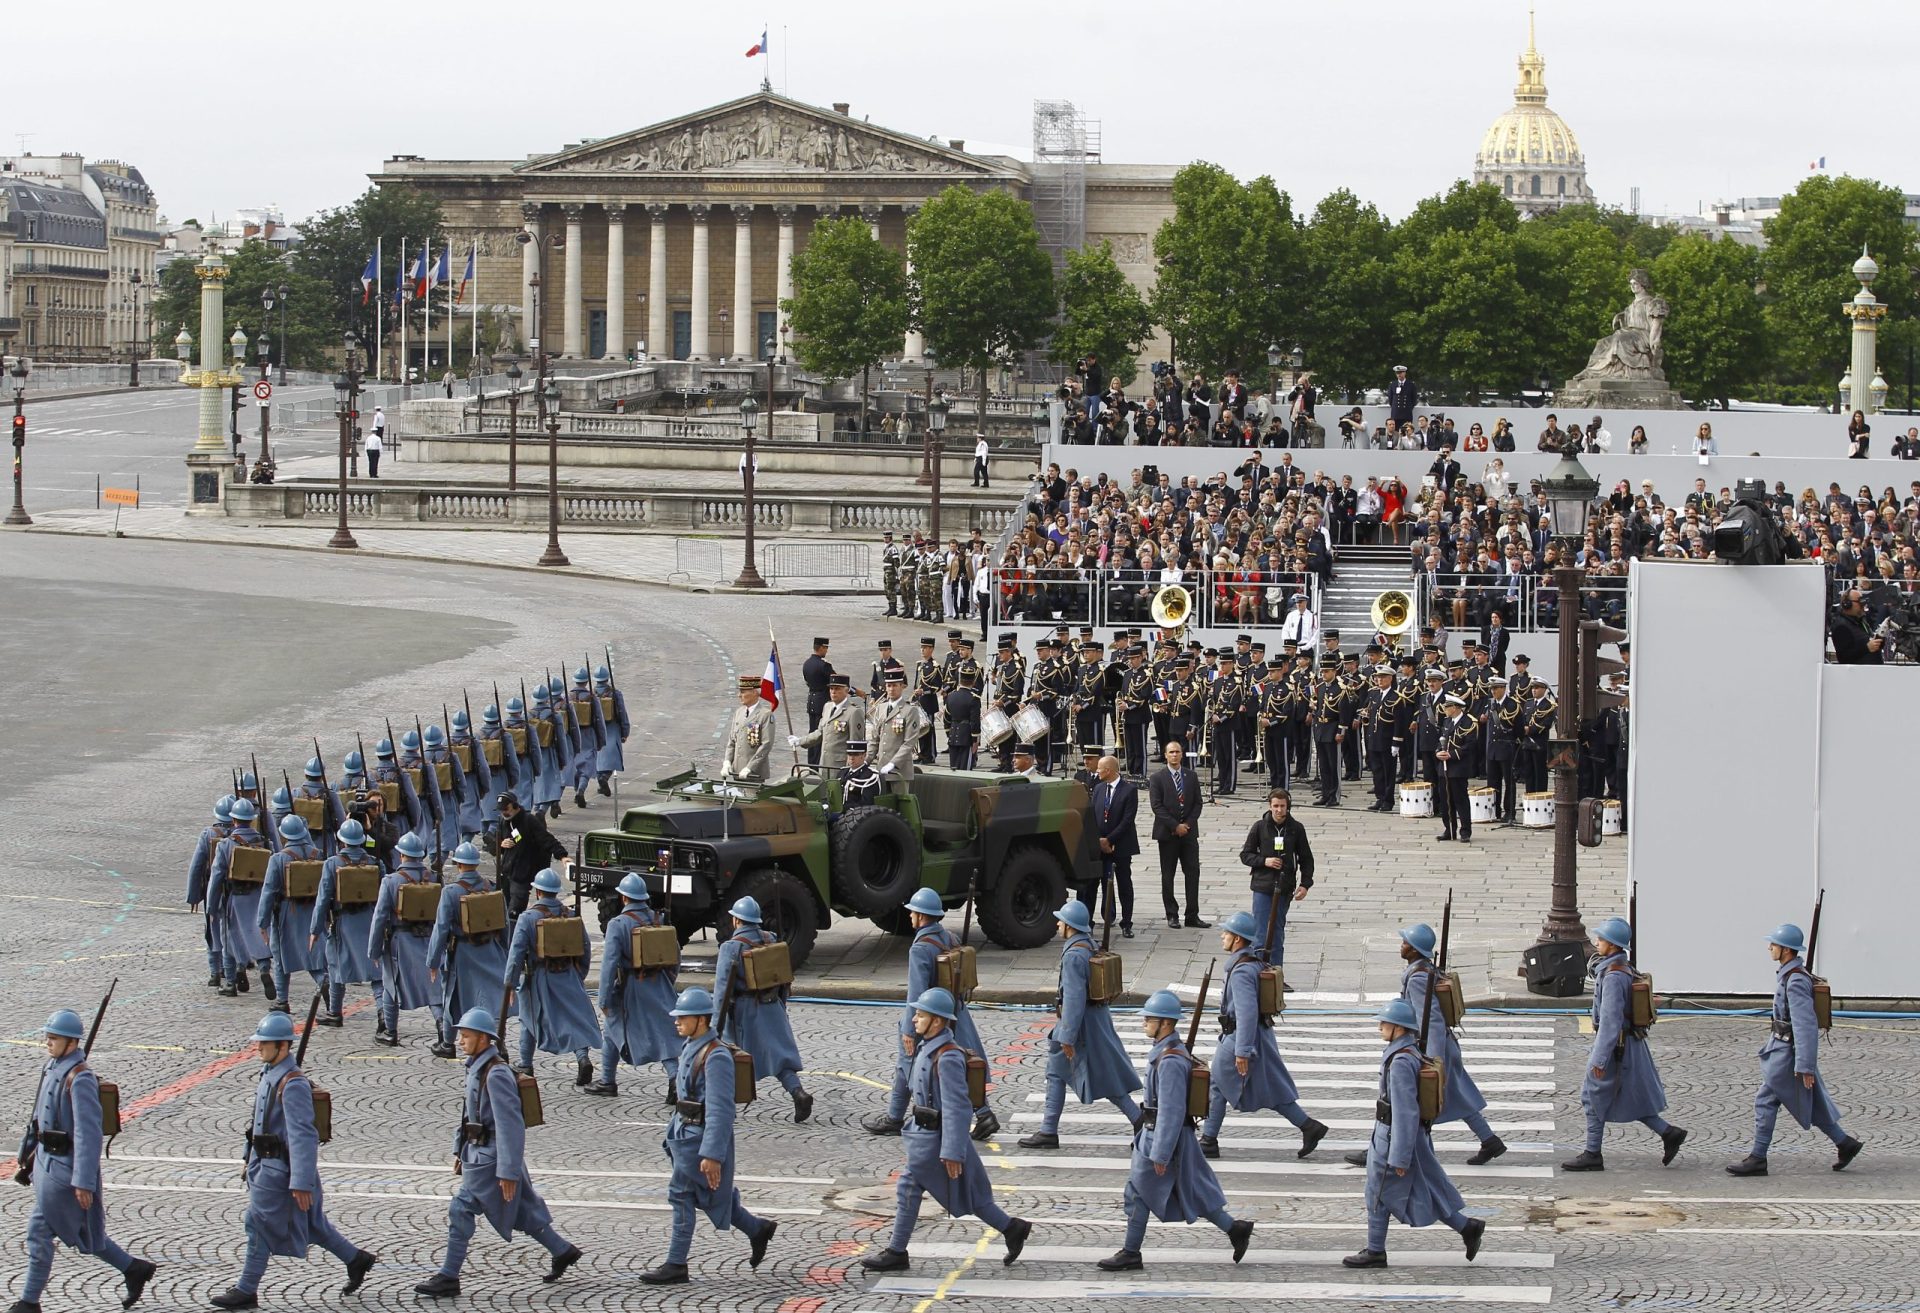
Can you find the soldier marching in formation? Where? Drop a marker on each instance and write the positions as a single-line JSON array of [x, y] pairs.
[[634, 1000], [1248, 1071], [756, 1019]]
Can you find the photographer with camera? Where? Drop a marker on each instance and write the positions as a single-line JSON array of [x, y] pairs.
[[1853, 643]]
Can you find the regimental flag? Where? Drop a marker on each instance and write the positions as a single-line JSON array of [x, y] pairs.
[[770, 681], [759, 47], [466, 275], [368, 277]]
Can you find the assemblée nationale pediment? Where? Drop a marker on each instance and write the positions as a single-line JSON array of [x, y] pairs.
[[762, 134]]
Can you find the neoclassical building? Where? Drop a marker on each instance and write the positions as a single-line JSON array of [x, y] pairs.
[[681, 235], [1530, 153]]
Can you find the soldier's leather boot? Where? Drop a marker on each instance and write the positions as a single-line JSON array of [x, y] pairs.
[[24, 1306], [1240, 1234], [1210, 1146], [802, 1105], [887, 1260], [1748, 1166], [1848, 1149], [334, 1019], [1489, 1150], [1040, 1140], [439, 1286], [583, 1074], [235, 1297], [1471, 1234], [1670, 1144], [266, 984], [758, 1252], [579, 800], [357, 1268], [228, 990], [605, 792], [1018, 1229], [1310, 1136], [387, 1039], [242, 984], [1358, 1157], [985, 1124], [139, 1272], [441, 1049], [1586, 1161], [603, 1089], [558, 1265], [881, 1124], [1365, 1258]]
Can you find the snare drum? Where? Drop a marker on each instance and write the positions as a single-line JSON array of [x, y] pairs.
[[1416, 799], [1610, 816], [995, 728], [1481, 803], [1536, 811], [1031, 723]]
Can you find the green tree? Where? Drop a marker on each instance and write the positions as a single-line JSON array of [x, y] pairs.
[[1345, 321], [849, 306], [1465, 325], [1811, 247], [1715, 337], [982, 287], [1101, 314], [1462, 208], [251, 270], [1230, 266], [1575, 272]]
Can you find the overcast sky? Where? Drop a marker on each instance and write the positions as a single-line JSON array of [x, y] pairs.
[[1691, 100]]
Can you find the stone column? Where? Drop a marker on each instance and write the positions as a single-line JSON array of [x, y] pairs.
[[701, 347], [529, 271], [744, 347], [571, 343], [1865, 311], [871, 213], [913, 350], [783, 275], [659, 335], [213, 354], [616, 282]]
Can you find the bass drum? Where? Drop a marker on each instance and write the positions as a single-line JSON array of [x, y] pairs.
[[1031, 723], [995, 728]]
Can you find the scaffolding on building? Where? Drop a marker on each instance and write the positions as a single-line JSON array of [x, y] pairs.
[[1064, 143]]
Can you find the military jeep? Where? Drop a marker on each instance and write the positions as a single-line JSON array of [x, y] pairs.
[[1015, 844]]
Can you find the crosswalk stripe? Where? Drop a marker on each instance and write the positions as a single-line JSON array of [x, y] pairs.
[[1103, 1116], [1254, 1257], [614, 1205], [1064, 1162], [1254, 1143], [1486, 1086], [1483, 1059], [1136, 1286]]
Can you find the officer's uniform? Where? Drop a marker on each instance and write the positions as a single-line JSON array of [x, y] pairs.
[[1379, 719], [749, 739], [757, 1022], [400, 947], [347, 931], [927, 688], [1223, 718], [1245, 1033], [1328, 701], [861, 787], [199, 871], [1790, 1053], [634, 1004], [472, 968], [1456, 741], [840, 721], [1503, 719], [816, 671], [619, 727], [1628, 1088], [1099, 1068], [962, 717], [555, 1014], [285, 921], [899, 727], [1009, 692]]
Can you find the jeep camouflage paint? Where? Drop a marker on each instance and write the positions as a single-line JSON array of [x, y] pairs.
[[1017, 845]]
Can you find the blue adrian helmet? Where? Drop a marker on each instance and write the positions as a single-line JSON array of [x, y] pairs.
[[294, 830], [633, 888], [1615, 931], [926, 902], [490, 714], [1398, 1013], [936, 1002], [601, 675], [465, 855], [1788, 935], [548, 881], [411, 845], [1241, 925], [222, 810], [355, 763], [695, 1002], [515, 707], [248, 783], [437, 737], [1075, 913], [460, 720], [274, 1028], [282, 800], [383, 749], [747, 909], [1164, 1004], [580, 676], [477, 1019], [1420, 936], [539, 695], [410, 742], [66, 1023], [314, 770], [557, 687], [243, 810], [353, 835]]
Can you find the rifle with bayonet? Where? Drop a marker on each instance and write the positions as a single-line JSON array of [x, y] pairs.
[[430, 780], [23, 1174]]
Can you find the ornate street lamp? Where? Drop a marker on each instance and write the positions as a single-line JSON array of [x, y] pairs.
[[513, 425], [238, 345], [18, 515], [343, 392], [553, 555], [749, 576], [265, 347], [133, 366], [936, 431]]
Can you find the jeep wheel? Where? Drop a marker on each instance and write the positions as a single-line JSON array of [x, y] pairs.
[[610, 906], [897, 922], [876, 860], [787, 907], [1018, 911]]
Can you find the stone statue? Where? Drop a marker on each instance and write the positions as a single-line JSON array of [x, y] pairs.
[[1625, 367]]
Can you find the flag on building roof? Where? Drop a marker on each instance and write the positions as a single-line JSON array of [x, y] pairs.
[[759, 47]]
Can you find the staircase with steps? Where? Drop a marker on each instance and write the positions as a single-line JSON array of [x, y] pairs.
[[1360, 574]]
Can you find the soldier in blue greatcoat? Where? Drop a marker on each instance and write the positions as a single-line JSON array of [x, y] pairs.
[[450, 801], [433, 803], [612, 754], [400, 946], [475, 781], [412, 816], [549, 759], [199, 870], [1248, 1071], [635, 1004], [1790, 1061], [347, 930], [489, 1150], [469, 969], [1169, 1178], [757, 1022], [236, 907], [285, 1213], [1404, 1178], [590, 736], [700, 1144], [1621, 1084], [555, 1014], [63, 1143], [941, 1159], [522, 763], [284, 920], [930, 940], [1082, 1049], [351, 782], [313, 786]]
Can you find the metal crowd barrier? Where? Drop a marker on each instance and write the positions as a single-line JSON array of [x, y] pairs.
[[786, 562], [1214, 601]]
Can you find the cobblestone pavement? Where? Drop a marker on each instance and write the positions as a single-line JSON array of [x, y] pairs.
[[134, 674]]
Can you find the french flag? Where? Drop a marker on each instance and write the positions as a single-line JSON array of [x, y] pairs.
[[770, 681], [759, 47], [442, 268], [467, 275], [368, 277], [423, 274]]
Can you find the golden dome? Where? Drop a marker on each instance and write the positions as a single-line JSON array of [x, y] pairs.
[[1530, 139]]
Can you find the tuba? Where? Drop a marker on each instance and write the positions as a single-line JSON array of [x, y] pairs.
[[1171, 606], [1393, 612]]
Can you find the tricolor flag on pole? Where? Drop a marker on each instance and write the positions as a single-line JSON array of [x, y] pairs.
[[759, 47], [466, 275], [423, 273], [770, 681], [368, 277]]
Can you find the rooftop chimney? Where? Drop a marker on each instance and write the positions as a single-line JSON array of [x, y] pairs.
[[842, 107], [957, 144]]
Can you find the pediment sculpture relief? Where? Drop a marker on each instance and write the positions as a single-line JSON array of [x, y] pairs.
[[763, 138]]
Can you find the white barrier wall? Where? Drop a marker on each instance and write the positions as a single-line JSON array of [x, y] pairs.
[[1725, 768]]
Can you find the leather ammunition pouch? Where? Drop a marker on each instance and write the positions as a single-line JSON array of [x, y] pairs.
[[1228, 1025], [692, 1112], [476, 1133], [1150, 1116], [56, 1142], [267, 1146], [1383, 1111], [927, 1119], [1783, 1030]]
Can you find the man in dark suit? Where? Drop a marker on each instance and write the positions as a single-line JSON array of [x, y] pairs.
[[963, 723], [1445, 469], [818, 674], [1175, 797], [1402, 397], [1113, 806]]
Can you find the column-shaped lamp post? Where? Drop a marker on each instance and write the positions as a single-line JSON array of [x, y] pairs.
[[265, 344], [282, 378], [238, 345], [343, 392], [1570, 492], [133, 366], [749, 576], [553, 555], [936, 436], [513, 425], [18, 515]]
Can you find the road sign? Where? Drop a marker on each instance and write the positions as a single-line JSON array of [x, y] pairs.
[[120, 496], [263, 389]]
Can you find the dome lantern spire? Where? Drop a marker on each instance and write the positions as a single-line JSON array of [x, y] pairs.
[[1532, 87]]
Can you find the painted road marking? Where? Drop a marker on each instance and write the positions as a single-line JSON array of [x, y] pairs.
[[1160, 1288], [1296, 1168], [1224, 1256]]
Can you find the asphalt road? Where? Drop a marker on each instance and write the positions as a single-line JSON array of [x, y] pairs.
[[133, 674]]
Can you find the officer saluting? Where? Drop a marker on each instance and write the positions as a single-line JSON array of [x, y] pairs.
[[760, 1024], [700, 1144], [490, 1159], [1790, 1060], [634, 1001], [941, 1160], [1168, 1177], [1621, 1084], [1248, 1071], [1082, 1046], [284, 1213], [62, 1144]]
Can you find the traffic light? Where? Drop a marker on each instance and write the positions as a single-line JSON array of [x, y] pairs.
[[1595, 697], [19, 430]]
